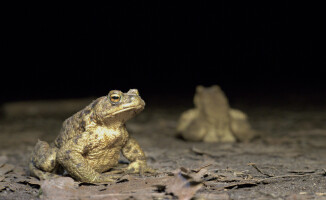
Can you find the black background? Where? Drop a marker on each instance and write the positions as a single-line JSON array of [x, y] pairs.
[[162, 48]]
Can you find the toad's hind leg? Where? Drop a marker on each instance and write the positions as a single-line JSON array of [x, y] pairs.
[[43, 160]]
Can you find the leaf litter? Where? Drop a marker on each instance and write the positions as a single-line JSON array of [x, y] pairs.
[[228, 176]]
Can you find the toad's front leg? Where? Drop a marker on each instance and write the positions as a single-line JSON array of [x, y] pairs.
[[136, 156], [70, 156]]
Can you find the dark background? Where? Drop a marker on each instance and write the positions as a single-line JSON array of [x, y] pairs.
[[162, 48]]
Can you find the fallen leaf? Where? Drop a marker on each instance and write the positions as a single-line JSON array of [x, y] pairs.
[[2, 186], [66, 188], [1, 178], [31, 181], [200, 168], [224, 177], [6, 168], [197, 176], [240, 185], [59, 188], [12, 186], [183, 186], [208, 196], [138, 188], [227, 175], [22, 179]]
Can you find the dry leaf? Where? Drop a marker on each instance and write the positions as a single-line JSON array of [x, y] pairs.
[[138, 188], [2, 186], [33, 180], [11, 186], [6, 168], [225, 177], [66, 188], [183, 186], [30, 181], [59, 188], [240, 185], [197, 176], [208, 196]]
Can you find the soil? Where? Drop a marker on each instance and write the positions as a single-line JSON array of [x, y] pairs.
[[286, 161]]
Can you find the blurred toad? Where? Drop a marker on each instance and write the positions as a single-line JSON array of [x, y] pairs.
[[212, 119], [91, 140]]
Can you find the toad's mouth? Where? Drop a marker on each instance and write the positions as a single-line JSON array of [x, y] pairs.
[[135, 108]]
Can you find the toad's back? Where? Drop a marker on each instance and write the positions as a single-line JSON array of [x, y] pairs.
[[76, 124]]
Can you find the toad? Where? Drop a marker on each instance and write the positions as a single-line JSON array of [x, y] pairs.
[[90, 142], [212, 119]]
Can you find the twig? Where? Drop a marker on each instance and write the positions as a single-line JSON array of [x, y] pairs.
[[301, 171], [256, 182], [270, 176], [264, 173], [283, 176]]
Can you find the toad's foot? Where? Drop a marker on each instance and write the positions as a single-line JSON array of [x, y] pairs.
[[103, 178], [139, 167]]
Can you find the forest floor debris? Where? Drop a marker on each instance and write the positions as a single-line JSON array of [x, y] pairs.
[[288, 162]]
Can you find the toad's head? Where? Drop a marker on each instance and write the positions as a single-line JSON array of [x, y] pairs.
[[118, 106]]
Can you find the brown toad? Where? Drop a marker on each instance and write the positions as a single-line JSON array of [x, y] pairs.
[[91, 140], [212, 119]]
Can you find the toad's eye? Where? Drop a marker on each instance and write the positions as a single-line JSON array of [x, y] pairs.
[[114, 98]]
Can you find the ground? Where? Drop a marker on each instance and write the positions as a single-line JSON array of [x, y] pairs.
[[287, 161]]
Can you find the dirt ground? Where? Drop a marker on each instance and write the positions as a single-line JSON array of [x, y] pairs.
[[287, 161]]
